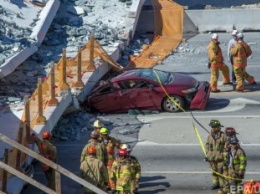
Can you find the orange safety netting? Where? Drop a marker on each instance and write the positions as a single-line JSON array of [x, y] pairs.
[[92, 56], [168, 34]]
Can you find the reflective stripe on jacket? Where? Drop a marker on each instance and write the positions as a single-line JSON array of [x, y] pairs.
[[240, 52], [120, 177]]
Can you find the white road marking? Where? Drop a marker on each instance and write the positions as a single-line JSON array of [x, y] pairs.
[[189, 172], [149, 143], [164, 172]]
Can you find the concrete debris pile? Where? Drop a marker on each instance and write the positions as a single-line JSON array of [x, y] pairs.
[[106, 19], [13, 38], [23, 80], [76, 20], [134, 48], [73, 126]]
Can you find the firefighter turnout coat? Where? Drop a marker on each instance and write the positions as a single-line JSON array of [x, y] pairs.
[[101, 152], [94, 171]]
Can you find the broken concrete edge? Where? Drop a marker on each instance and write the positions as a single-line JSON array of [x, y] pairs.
[[39, 31], [12, 63], [45, 19], [135, 11]]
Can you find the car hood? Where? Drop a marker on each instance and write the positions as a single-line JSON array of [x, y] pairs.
[[179, 79]]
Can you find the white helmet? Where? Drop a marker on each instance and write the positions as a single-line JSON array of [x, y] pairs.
[[240, 35], [127, 147], [214, 36], [98, 124], [234, 32]]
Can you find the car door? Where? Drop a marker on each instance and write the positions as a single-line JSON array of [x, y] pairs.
[[107, 99], [137, 96]]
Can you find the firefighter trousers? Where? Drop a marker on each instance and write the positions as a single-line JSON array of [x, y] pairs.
[[241, 74], [214, 75]]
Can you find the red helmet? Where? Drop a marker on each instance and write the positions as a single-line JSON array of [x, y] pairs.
[[91, 150], [122, 152], [94, 134], [46, 135], [230, 131]]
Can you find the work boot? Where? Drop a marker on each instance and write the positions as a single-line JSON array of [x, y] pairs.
[[214, 187], [241, 91], [228, 83], [215, 91]]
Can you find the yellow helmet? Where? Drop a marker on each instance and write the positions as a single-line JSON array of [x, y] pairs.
[[98, 124], [103, 131]]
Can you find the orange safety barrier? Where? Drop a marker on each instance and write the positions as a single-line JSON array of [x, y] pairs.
[[168, 34], [68, 73]]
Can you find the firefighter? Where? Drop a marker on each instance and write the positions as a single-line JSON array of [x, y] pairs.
[[48, 150], [94, 171], [230, 133], [110, 145], [217, 63], [101, 152], [215, 146], [120, 177], [135, 168], [232, 43], [240, 52], [236, 165]]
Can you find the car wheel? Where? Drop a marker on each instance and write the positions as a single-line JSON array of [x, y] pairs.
[[170, 106]]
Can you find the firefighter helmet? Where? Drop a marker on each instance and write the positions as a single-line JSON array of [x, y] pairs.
[[233, 140], [91, 150], [230, 131], [98, 124], [126, 147], [122, 152], [94, 134], [46, 135], [215, 123], [240, 36], [123, 146], [214, 36], [234, 32], [103, 131]]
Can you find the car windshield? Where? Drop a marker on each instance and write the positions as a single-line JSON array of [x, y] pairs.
[[155, 75]]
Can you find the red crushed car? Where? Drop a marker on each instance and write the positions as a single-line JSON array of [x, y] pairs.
[[142, 89]]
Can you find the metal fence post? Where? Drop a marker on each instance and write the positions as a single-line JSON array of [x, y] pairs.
[[53, 100], [40, 119], [64, 85], [79, 83]]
